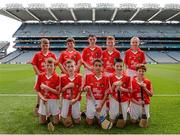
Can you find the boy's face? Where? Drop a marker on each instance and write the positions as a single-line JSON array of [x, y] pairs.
[[118, 66], [92, 40], [70, 67], [134, 44], [110, 43], [97, 67], [45, 47], [49, 67], [140, 72], [70, 44]]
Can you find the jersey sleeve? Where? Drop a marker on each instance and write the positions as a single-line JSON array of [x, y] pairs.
[[143, 58], [61, 58], [78, 56], [126, 58], [84, 55], [38, 83], [34, 60]]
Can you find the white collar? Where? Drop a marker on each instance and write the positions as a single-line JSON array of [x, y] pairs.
[[98, 78], [71, 78], [92, 49], [110, 53], [48, 77], [118, 77]]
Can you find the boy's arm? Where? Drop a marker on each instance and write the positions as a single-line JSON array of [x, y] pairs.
[[87, 66], [136, 102], [69, 85], [124, 89], [43, 86], [42, 97], [149, 92], [62, 68], [99, 108], [78, 65], [36, 70]]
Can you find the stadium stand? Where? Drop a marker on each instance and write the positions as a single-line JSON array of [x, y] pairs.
[[160, 57], [3, 48], [158, 28]]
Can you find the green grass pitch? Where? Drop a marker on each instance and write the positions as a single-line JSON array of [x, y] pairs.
[[16, 113]]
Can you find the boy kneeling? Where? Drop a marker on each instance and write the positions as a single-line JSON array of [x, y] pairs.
[[119, 82], [71, 88], [47, 87], [97, 86], [140, 97]]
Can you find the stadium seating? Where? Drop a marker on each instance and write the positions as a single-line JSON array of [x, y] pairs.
[[160, 57], [11, 56], [78, 30]]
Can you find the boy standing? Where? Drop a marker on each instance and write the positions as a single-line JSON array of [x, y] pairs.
[[38, 62]]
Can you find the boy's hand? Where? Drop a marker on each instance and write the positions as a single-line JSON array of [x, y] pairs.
[[87, 88], [44, 99], [70, 85], [118, 83], [98, 109], [43, 86], [143, 85], [141, 102], [73, 101]]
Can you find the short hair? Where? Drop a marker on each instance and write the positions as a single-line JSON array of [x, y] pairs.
[[91, 35], [70, 39], [118, 60], [136, 38], [110, 38], [44, 41], [141, 66], [50, 60], [69, 61], [97, 60]]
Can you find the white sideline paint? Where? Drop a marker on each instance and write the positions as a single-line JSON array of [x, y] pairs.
[[34, 95]]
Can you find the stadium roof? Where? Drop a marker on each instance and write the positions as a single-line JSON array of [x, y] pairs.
[[84, 12]]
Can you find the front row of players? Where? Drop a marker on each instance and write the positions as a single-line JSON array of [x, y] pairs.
[[125, 95]]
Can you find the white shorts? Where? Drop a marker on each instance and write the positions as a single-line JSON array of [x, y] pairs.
[[136, 111], [131, 73], [53, 107], [91, 111], [114, 109], [75, 109]]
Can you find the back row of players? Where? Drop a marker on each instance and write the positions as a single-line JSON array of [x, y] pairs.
[[103, 76]]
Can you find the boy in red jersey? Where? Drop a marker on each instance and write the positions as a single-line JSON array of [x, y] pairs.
[[90, 53], [136, 102], [71, 84], [70, 53], [98, 84], [133, 57], [47, 87], [109, 55], [118, 80], [38, 62]]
